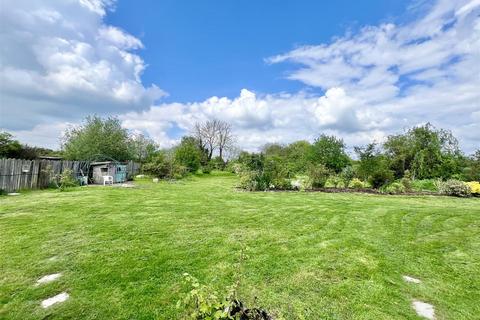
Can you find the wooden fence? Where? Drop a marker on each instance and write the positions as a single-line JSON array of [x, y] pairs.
[[17, 174]]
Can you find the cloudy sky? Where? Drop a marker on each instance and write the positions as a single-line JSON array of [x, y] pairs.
[[277, 72]]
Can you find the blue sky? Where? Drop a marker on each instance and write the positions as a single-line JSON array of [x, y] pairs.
[[198, 49], [278, 71]]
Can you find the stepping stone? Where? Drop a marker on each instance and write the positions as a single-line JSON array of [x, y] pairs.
[[56, 299], [13, 194], [424, 309], [411, 279], [48, 278]]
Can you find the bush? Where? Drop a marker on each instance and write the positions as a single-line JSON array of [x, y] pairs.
[[201, 302], [254, 181], [335, 180], [474, 187], [178, 172], [163, 166], [236, 168], [159, 166], [188, 154], [318, 175], [207, 168], [425, 185], [273, 175], [276, 172], [348, 173], [66, 180], [407, 180], [299, 183], [380, 177], [454, 188], [393, 188], [357, 184], [217, 163], [204, 303]]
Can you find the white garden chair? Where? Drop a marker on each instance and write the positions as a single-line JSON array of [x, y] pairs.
[[107, 179]]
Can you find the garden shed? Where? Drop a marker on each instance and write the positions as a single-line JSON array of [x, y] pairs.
[[114, 169]]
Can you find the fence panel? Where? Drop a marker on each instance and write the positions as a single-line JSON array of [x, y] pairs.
[[17, 174]]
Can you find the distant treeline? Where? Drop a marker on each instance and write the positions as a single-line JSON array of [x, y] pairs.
[[422, 152]]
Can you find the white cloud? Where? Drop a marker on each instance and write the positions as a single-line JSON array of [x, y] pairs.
[[377, 81], [59, 59], [426, 70], [269, 118]]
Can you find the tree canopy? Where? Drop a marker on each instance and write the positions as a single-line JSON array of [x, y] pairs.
[[97, 139], [329, 151]]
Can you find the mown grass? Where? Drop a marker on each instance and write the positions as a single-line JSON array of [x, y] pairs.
[[122, 251]]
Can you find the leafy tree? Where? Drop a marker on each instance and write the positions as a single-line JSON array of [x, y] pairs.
[[426, 151], [97, 139], [142, 147], [252, 161], [274, 149], [398, 150], [373, 165], [369, 157], [188, 154], [471, 171], [9, 147], [297, 154], [329, 151]]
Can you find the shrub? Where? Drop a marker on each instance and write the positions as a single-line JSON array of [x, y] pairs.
[[163, 166], [299, 183], [236, 168], [407, 180], [188, 154], [66, 180], [380, 177], [178, 172], [357, 184], [276, 172], [425, 185], [159, 166], [274, 175], [474, 187], [393, 188], [207, 168], [335, 180], [454, 188], [348, 173], [251, 161], [254, 181], [203, 303], [318, 175], [217, 163]]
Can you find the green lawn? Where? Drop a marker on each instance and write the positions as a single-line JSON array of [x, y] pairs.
[[122, 251]]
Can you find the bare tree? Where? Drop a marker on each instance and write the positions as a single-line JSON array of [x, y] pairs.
[[207, 136], [225, 137], [212, 135]]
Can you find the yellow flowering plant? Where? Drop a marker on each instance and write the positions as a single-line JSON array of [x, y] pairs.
[[474, 187]]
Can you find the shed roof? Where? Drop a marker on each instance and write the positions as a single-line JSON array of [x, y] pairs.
[[101, 163]]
